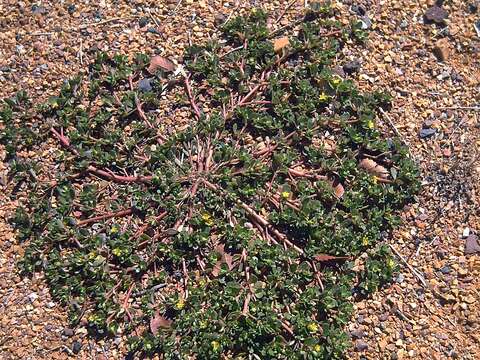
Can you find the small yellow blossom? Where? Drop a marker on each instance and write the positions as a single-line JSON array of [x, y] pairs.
[[285, 195], [207, 218], [203, 324], [115, 229], [370, 124], [180, 304], [312, 327], [323, 97], [317, 348], [117, 252], [215, 345], [390, 263], [365, 241], [336, 81]]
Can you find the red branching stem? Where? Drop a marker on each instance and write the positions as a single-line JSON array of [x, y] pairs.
[[120, 213], [118, 178], [63, 140], [196, 110], [260, 220]]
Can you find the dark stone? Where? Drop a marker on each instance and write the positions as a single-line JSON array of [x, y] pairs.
[[361, 345], [76, 347], [339, 71], [71, 9], [68, 332], [357, 333], [426, 133], [143, 22], [352, 66], [445, 270], [436, 14], [153, 30], [472, 246], [144, 85], [38, 10], [359, 10], [219, 19], [473, 7]]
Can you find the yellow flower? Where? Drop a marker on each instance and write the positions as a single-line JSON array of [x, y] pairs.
[[180, 304], [203, 324], [365, 241], [115, 229], [317, 348], [336, 81], [323, 97], [207, 219], [117, 252], [312, 327], [370, 124], [285, 195], [215, 345], [390, 263]]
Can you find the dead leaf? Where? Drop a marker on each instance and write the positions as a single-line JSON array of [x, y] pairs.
[[280, 43], [374, 168], [338, 190], [226, 258], [326, 257], [157, 322], [160, 62]]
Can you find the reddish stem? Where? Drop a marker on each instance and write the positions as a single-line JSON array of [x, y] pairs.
[[196, 110], [120, 213]]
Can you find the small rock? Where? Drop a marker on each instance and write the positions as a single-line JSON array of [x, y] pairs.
[[68, 332], [71, 9], [351, 66], [143, 22], [357, 333], [38, 10], [153, 30], [383, 317], [144, 85], [361, 345], [425, 133], [400, 278], [219, 19], [441, 50], [359, 10], [466, 232], [366, 22], [76, 347], [32, 297], [445, 269], [436, 14], [472, 246], [473, 7], [51, 304]]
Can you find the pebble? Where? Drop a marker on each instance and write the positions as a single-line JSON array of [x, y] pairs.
[[352, 66], [68, 332], [436, 14], [426, 133], [76, 347], [441, 51], [357, 333], [32, 297], [361, 345], [144, 85], [472, 245]]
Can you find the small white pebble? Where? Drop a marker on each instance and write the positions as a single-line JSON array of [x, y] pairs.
[[32, 297]]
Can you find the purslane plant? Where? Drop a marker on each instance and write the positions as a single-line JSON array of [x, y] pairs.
[[234, 238]]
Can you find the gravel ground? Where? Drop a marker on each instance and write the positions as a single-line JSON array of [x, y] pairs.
[[431, 310]]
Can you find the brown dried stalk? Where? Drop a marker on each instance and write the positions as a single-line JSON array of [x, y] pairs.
[[120, 213]]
